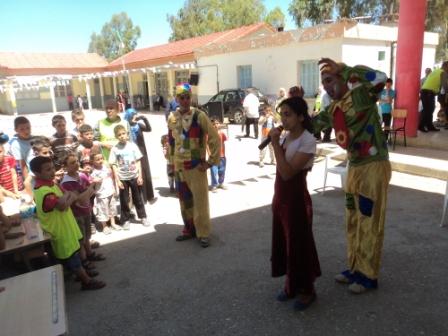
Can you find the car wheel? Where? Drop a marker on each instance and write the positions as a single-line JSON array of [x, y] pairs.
[[238, 117]]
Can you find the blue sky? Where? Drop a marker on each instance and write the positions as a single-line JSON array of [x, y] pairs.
[[66, 26]]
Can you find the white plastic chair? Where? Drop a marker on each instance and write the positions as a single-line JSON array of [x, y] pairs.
[[445, 205], [338, 170]]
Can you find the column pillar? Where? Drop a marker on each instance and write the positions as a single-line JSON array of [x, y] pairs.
[[12, 97], [131, 92], [148, 82], [101, 92], [89, 98], [114, 80], [53, 98], [411, 29]]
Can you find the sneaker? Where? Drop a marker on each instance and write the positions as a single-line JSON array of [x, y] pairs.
[[214, 189], [126, 225], [146, 222], [107, 230], [222, 186], [283, 297], [183, 237], [205, 242], [345, 277], [116, 227], [261, 164], [362, 284], [300, 304]]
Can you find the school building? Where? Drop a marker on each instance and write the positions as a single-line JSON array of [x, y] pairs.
[[255, 55], [45, 82]]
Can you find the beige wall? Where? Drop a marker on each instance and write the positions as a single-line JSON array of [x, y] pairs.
[[5, 104], [78, 87], [272, 67]]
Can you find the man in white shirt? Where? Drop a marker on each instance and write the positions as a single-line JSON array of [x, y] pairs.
[[251, 105]]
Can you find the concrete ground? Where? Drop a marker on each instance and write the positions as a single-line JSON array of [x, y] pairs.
[[157, 286]]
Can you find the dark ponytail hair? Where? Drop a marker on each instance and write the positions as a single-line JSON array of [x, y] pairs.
[[299, 106]]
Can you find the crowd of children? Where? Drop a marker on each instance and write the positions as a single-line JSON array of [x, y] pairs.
[[72, 186]]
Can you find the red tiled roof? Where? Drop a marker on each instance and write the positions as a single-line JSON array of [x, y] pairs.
[[314, 33], [12, 63], [186, 47], [23, 64]]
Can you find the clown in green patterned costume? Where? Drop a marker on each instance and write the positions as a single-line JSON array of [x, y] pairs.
[[354, 116]]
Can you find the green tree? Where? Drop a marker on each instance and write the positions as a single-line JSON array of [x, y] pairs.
[[314, 12], [437, 21], [310, 12], [318, 11], [275, 18], [201, 17], [117, 37]]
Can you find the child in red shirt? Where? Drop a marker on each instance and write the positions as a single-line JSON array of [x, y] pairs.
[[8, 173]]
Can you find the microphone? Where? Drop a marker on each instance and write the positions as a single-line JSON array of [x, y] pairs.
[[268, 140]]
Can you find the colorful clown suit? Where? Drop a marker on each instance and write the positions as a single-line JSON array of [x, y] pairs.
[[189, 134], [357, 126]]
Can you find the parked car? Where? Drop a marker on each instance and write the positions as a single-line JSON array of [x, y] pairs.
[[232, 102]]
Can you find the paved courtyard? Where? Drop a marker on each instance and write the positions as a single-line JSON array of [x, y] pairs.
[[156, 286]]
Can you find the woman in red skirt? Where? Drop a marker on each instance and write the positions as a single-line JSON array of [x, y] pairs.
[[294, 252]]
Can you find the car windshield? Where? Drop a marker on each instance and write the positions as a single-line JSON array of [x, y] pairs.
[[218, 98]]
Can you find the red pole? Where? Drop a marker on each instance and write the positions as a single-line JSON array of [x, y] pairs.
[[411, 28]]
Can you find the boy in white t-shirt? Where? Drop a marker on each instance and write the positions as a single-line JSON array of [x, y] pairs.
[[125, 161]]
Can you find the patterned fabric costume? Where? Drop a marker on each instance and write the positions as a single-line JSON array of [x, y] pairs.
[[188, 136], [357, 127]]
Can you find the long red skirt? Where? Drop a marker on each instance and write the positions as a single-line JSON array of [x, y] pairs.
[[293, 249]]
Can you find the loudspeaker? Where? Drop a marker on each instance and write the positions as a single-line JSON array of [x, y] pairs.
[[194, 79]]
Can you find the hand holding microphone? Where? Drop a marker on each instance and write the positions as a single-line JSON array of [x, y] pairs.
[[268, 140]]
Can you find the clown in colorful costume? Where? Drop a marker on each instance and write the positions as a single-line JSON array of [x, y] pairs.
[[354, 116], [189, 133]]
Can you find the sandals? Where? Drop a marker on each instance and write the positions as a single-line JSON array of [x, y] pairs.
[[87, 265], [96, 257], [90, 273], [93, 285]]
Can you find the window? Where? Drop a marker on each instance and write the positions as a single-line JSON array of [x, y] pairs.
[[244, 74], [59, 91], [381, 55], [218, 98], [309, 77], [28, 94], [161, 81], [181, 76], [230, 97]]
